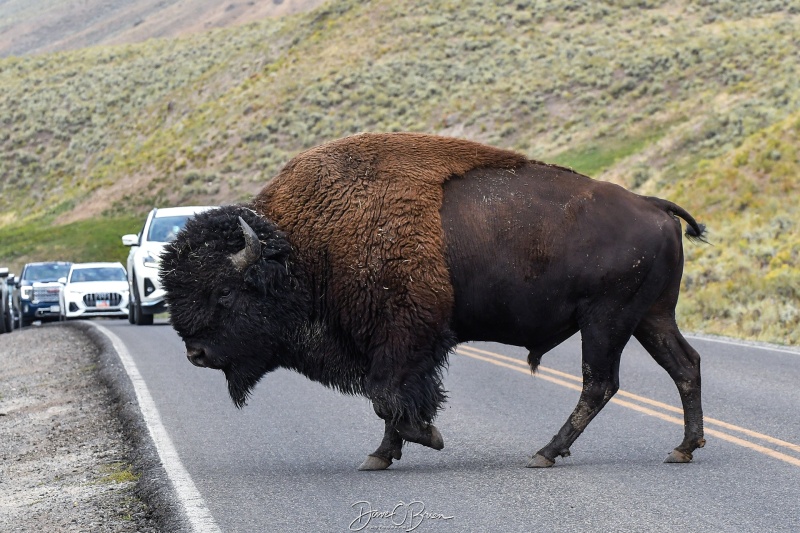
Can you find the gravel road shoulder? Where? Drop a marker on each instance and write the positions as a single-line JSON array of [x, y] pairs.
[[74, 452]]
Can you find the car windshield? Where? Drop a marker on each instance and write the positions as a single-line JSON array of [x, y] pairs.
[[46, 272], [97, 274], [164, 229]]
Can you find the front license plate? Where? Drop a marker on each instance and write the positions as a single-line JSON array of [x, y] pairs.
[[55, 309], [103, 303]]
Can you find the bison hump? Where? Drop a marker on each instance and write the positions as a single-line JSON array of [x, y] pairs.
[[365, 209]]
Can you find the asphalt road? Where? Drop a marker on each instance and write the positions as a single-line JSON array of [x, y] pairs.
[[288, 461]]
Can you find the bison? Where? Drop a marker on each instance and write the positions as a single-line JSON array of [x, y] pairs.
[[366, 260]]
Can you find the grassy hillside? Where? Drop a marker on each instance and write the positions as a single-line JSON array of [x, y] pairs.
[[652, 94], [41, 26], [82, 241], [748, 283]]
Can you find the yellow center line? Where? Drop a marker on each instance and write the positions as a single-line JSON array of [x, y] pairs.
[[522, 366], [643, 399]]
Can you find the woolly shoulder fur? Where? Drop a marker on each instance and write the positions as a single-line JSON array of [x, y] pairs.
[[363, 214]]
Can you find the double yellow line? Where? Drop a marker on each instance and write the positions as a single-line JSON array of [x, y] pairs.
[[644, 405]]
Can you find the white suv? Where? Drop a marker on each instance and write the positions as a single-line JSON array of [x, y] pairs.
[[146, 294], [94, 289]]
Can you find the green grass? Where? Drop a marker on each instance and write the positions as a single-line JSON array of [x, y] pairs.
[[82, 241], [118, 473], [595, 158]]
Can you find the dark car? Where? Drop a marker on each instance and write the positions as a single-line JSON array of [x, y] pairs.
[[38, 291]]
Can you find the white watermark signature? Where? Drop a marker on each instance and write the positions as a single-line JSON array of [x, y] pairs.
[[403, 516]]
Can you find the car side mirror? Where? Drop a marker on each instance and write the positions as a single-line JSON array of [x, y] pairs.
[[130, 240], [62, 281], [3, 272]]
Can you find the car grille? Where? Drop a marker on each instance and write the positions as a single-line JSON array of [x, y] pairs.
[[45, 294], [113, 299]]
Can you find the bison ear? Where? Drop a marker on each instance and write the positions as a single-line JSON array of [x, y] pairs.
[[251, 251]]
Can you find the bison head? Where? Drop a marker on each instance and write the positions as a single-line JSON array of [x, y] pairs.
[[232, 295]]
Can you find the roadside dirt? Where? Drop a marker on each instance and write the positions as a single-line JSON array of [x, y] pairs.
[[69, 454]]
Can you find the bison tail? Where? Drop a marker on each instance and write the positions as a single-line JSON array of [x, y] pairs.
[[697, 235], [695, 231]]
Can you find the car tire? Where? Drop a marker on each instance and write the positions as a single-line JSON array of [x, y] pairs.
[[4, 322], [9, 320], [132, 302], [139, 317]]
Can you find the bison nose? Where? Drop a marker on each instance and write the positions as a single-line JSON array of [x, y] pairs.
[[196, 355]]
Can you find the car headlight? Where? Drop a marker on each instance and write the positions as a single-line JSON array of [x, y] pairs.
[[25, 292], [149, 261]]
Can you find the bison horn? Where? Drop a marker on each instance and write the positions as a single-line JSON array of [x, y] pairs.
[[252, 248]]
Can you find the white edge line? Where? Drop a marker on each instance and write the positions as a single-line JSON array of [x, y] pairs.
[[193, 505], [743, 344]]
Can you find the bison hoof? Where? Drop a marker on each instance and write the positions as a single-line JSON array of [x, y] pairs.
[[437, 441], [540, 461], [677, 456], [374, 462]]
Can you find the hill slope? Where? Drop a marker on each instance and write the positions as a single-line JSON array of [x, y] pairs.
[[748, 283], [41, 26], [643, 96]]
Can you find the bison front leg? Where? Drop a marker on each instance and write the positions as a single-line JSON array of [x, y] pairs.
[[395, 433], [391, 448], [405, 386]]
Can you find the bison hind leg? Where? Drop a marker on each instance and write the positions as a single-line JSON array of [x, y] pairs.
[[659, 335], [602, 345]]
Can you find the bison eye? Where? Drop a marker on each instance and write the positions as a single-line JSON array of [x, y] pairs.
[[225, 297]]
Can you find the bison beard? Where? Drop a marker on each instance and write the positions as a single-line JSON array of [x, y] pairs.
[[240, 384], [367, 259]]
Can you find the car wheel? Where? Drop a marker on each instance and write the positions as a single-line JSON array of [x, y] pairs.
[[4, 322], [139, 318], [9, 320], [131, 302]]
